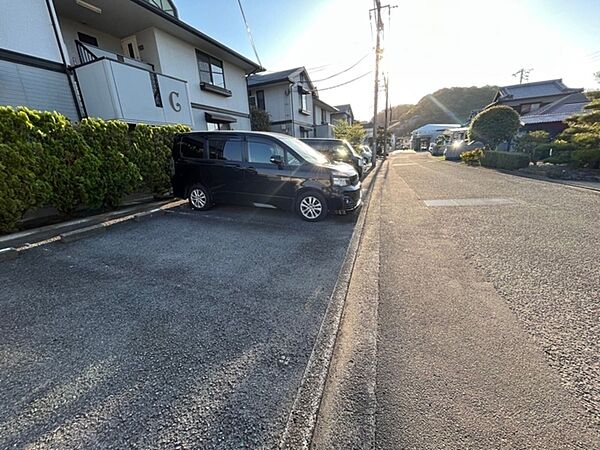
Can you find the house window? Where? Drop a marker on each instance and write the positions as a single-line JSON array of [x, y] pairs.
[[211, 69], [260, 100], [252, 101], [87, 39], [304, 101], [529, 107], [323, 116]]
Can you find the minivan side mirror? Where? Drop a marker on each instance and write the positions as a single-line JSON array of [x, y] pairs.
[[277, 159]]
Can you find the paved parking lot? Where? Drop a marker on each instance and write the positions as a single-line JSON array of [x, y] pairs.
[[188, 330]]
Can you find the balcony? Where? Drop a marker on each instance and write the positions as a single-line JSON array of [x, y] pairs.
[[117, 90], [324, 131]]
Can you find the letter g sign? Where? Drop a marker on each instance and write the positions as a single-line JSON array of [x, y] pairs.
[[173, 96]]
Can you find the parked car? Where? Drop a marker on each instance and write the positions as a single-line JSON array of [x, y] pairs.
[[338, 150], [453, 151], [262, 169], [366, 153]]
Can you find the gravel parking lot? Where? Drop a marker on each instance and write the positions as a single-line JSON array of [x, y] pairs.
[[188, 330]]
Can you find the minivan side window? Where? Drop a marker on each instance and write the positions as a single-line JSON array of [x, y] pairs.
[[192, 147], [225, 149], [260, 152]]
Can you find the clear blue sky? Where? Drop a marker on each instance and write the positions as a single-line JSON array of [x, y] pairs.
[[431, 43]]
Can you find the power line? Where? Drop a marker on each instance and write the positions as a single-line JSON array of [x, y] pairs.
[[345, 70], [347, 82], [249, 32]]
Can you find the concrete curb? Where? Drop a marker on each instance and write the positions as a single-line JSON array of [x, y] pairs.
[[77, 229], [81, 233], [302, 419], [7, 254], [573, 184]]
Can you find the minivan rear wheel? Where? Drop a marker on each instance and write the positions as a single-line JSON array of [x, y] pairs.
[[311, 206], [199, 197]]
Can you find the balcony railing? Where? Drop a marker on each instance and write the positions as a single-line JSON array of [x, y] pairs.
[[88, 53], [113, 89]]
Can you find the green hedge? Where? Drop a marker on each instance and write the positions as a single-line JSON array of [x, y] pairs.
[[505, 160], [45, 160]]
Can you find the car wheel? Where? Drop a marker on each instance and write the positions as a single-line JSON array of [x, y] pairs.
[[199, 197], [311, 206]]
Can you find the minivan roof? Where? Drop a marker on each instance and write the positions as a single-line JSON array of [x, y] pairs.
[[245, 132]]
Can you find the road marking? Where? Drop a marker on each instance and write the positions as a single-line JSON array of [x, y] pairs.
[[469, 202]]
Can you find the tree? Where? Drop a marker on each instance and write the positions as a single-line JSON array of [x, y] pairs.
[[380, 139], [494, 125], [260, 120], [597, 76], [353, 133], [582, 136], [529, 142]]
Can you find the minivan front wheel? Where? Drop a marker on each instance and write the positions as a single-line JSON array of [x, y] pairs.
[[199, 197], [311, 206]]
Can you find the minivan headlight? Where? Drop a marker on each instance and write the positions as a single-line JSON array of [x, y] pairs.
[[340, 181]]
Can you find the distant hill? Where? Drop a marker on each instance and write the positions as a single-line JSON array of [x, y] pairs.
[[448, 105]]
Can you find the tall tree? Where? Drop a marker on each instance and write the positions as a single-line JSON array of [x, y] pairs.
[[353, 133]]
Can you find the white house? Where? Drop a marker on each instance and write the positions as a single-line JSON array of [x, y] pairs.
[[132, 60]]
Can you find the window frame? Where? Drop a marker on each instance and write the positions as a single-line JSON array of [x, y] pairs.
[[211, 61], [260, 100]]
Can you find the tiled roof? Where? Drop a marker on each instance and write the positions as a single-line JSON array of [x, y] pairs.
[[558, 111], [532, 90], [344, 108], [272, 77]]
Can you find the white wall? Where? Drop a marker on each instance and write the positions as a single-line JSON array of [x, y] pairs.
[[178, 59], [70, 28], [25, 27]]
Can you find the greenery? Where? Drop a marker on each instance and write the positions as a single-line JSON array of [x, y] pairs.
[[505, 160], [45, 160], [448, 105], [260, 120], [353, 133], [579, 144], [494, 125], [472, 157], [383, 138], [532, 142]]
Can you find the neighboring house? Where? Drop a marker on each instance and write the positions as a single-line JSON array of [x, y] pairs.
[[542, 105], [287, 96], [131, 60], [322, 118], [344, 113], [423, 136]]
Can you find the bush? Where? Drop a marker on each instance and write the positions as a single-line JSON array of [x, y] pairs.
[[472, 157], [494, 125], [586, 158], [46, 160], [151, 153], [505, 160]]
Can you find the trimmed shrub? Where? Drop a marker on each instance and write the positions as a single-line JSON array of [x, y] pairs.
[[45, 160], [494, 125], [472, 157], [151, 153], [586, 158], [505, 160]]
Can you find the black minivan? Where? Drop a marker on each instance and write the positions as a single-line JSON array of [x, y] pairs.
[[267, 170], [338, 150]]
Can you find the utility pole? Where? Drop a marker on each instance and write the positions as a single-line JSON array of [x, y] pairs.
[[385, 126], [378, 55], [378, 29], [523, 74]]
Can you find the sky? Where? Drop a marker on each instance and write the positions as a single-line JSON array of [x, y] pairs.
[[428, 44]]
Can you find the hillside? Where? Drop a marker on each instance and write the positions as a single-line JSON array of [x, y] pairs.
[[448, 105]]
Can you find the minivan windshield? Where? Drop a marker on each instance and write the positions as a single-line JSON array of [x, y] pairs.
[[305, 151], [338, 146]]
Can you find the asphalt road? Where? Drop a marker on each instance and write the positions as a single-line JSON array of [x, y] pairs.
[[489, 310], [189, 330]]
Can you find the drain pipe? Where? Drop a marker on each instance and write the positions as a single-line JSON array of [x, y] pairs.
[[53, 20]]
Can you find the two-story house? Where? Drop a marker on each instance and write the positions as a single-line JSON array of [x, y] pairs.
[[542, 105], [132, 60], [287, 96], [344, 112], [322, 118]]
